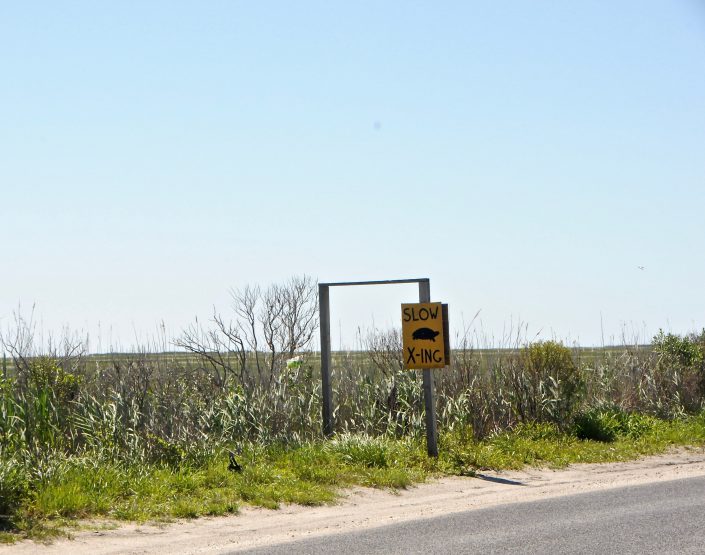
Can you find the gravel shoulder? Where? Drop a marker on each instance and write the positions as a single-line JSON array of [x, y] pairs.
[[368, 508]]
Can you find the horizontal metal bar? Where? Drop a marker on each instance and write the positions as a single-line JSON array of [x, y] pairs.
[[378, 282]]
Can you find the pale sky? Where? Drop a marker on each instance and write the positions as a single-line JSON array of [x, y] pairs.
[[527, 156]]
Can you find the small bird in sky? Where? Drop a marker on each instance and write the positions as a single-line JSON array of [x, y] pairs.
[[642, 268]]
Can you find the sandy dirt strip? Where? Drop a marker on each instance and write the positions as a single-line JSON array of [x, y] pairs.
[[367, 508]]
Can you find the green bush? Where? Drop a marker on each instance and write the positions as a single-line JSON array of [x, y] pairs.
[[45, 373], [596, 425], [546, 384], [679, 374], [636, 425], [607, 425], [684, 351]]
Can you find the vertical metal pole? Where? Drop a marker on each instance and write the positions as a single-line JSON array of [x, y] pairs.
[[324, 318], [428, 389]]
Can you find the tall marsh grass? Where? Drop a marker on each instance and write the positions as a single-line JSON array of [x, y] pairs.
[[65, 412]]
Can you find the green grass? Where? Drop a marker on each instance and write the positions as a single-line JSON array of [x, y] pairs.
[[543, 446], [76, 488]]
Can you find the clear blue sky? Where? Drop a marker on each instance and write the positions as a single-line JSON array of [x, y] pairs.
[[527, 156]]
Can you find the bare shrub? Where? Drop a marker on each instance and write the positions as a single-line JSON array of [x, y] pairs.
[[20, 342], [267, 328]]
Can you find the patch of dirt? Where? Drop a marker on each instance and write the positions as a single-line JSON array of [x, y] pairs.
[[368, 508]]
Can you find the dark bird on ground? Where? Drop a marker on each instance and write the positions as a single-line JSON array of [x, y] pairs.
[[233, 465]]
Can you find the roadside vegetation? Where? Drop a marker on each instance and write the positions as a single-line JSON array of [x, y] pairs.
[[234, 417]]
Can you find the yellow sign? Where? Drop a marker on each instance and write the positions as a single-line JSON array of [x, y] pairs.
[[423, 337]]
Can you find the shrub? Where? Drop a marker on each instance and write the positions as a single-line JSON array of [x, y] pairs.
[[684, 351], [597, 425], [45, 373], [608, 424], [679, 375], [546, 384]]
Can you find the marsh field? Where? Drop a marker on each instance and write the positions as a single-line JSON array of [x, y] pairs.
[[234, 416]]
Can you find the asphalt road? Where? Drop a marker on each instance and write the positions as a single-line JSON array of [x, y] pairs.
[[665, 517]]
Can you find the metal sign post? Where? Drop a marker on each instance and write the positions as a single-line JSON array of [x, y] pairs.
[[428, 389], [326, 387]]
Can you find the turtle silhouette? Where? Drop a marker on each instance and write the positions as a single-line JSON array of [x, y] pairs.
[[425, 333]]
